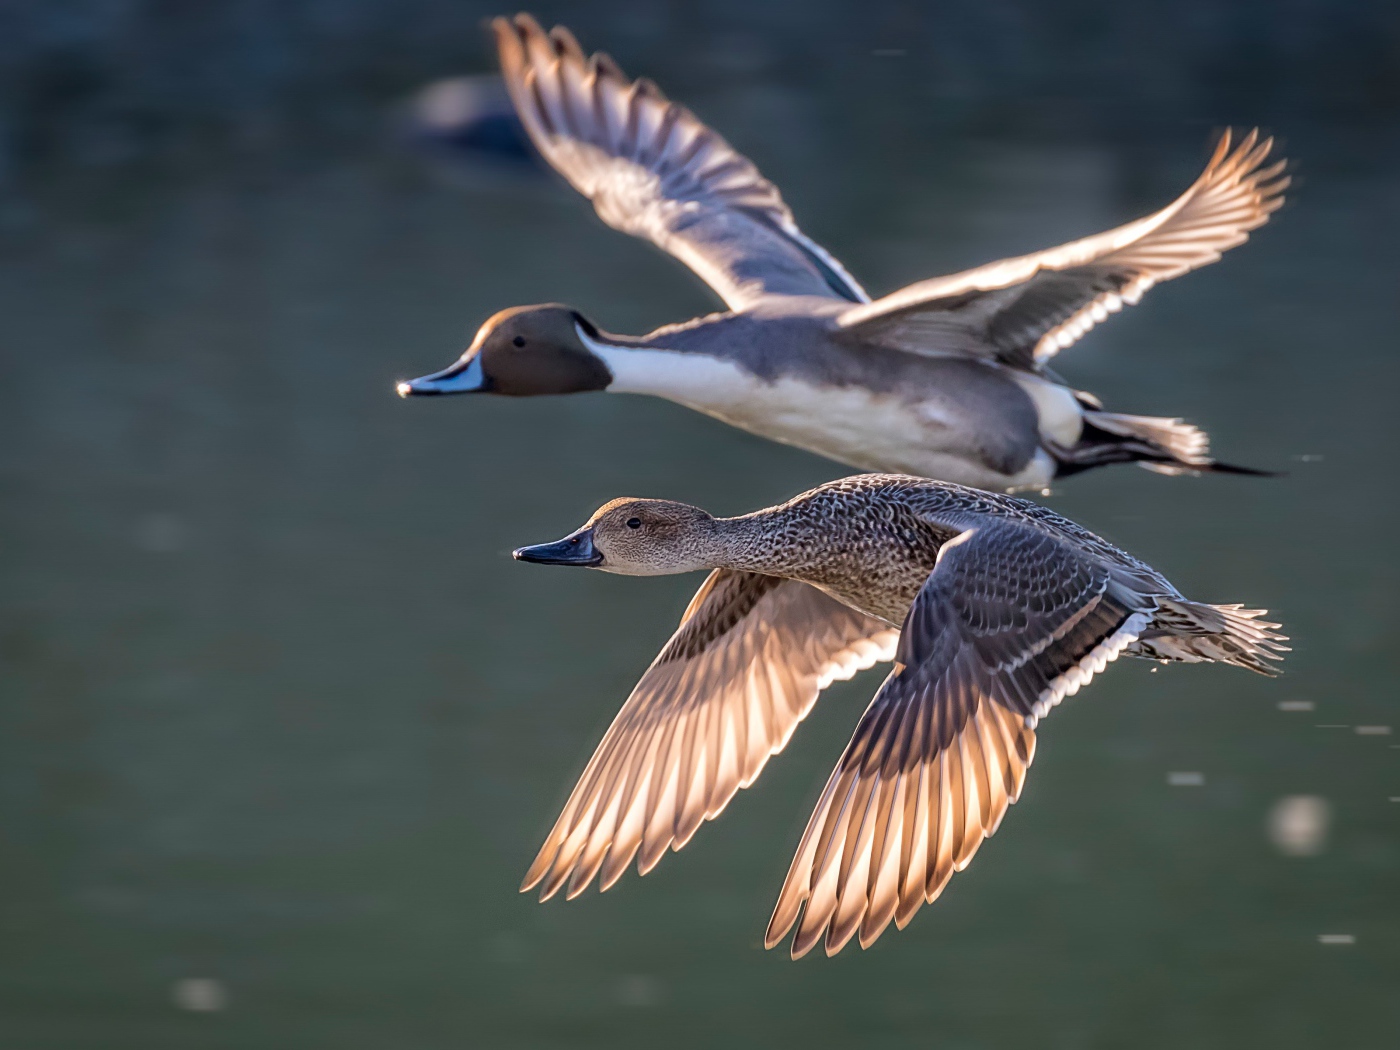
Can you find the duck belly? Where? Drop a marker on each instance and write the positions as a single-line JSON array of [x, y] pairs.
[[872, 431], [879, 433], [970, 439]]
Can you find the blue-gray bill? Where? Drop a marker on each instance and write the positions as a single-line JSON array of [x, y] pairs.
[[462, 377], [574, 549]]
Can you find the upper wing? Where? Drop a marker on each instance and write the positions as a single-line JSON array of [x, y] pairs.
[[1027, 309], [653, 170], [744, 667], [1011, 621]]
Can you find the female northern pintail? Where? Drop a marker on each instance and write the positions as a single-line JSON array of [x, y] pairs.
[[945, 378], [993, 609]]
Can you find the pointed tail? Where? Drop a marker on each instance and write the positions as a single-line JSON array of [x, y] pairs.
[[1156, 443]]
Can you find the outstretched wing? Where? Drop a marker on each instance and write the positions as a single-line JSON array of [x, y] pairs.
[[1025, 310], [1010, 621], [744, 667], [655, 171]]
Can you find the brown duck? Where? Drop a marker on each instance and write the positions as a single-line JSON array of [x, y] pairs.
[[993, 609]]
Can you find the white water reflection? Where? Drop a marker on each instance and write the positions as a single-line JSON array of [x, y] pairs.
[[200, 994], [1298, 825]]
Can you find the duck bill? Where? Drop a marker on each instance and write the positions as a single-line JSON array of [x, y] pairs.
[[574, 549], [466, 376]]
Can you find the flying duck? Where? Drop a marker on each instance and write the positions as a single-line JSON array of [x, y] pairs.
[[993, 609], [945, 378]]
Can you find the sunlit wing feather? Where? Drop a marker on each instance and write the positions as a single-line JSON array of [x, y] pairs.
[[725, 694], [1009, 623], [653, 170], [1026, 309]]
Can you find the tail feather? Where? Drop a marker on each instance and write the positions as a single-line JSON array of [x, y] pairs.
[[1186, 444], [1213, 467], [1156, 443], [1190, 632]]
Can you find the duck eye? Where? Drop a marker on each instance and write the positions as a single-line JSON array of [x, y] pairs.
[[519, 340], [634, 523]]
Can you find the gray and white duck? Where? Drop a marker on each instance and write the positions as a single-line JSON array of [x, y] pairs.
[[946, 378], [993, 609]]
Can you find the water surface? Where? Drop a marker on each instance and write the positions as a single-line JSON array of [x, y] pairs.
[[280, 712]]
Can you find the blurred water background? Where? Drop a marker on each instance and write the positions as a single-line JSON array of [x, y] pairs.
[[281, 724]]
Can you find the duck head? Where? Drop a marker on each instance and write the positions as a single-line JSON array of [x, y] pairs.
[[635, 537], [521, 352]]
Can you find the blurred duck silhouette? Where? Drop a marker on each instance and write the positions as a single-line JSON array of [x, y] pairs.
[[993, 609], [945, 378]]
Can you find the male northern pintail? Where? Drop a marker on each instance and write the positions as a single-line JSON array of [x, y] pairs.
[[994, 609], [945, 378]]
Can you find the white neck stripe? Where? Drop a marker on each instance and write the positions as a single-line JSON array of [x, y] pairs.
[[691, 378]]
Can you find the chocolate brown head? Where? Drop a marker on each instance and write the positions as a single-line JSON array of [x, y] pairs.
[[522, 352]]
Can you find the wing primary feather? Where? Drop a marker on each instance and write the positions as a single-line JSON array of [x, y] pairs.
[[655, 171], [1021, 311]]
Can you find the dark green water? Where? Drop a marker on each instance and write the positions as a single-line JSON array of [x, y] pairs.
[[280, 712]]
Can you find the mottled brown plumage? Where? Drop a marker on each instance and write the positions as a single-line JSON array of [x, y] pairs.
[[1000, 608]]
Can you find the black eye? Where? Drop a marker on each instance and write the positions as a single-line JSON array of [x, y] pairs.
[[634, 523], [519, 340]]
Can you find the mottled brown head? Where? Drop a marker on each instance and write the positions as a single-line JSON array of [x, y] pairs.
[[635, 537], [522, 352]]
